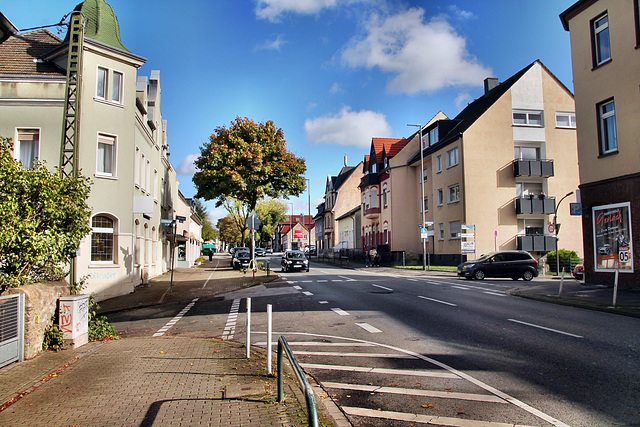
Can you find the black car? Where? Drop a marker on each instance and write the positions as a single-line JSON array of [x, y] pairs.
[[513, 264], [294, 260], [240, 260]]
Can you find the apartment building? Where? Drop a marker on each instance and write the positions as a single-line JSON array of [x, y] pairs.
[[122, 146], [493, 173], [605, 53], [341, 196]]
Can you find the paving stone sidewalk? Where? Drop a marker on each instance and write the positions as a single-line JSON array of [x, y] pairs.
[[156, 381]]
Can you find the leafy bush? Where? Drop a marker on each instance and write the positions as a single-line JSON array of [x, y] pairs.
[[99, 327], [53, 337], [43, 216], [568, 260]]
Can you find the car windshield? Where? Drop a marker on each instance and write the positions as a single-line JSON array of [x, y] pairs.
[[242, 254], [295, 255]]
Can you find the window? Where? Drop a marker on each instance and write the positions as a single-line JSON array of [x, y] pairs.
[[441, 231], [374, 168], [601, 43], [527, 153], [636, 12], [385, 197], [386, 233], [116, 93], [136, 168], [607, 125], [109, 83], [367, 199], [374, 198], [452, 157], [566, 120], [27, 149], [430, 138], [424, 174], [425, 204], [524, 189], [155, 184], [102, 239], [106, 155], [453, 194], [528, 118], [101, 87], [425, 140], [438, 164], [440, 197], [454, 230]]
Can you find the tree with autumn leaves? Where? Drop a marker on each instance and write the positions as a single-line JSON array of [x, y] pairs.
[[247, 162]]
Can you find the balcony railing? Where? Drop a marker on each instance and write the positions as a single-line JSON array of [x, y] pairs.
[[372, 212], [536, 242], [542, 168], [535, 205]]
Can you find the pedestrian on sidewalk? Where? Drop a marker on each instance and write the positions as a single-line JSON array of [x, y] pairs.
[[210, 255]]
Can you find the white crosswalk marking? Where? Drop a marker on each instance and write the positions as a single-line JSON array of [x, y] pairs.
[[160, 332]]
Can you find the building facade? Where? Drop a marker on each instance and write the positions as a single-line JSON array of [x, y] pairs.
[[122, 144], [605, 53]]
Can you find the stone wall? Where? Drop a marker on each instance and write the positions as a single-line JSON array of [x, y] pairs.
[[41, 300]]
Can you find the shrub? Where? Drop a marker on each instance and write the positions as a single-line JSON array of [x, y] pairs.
[[568, 260]]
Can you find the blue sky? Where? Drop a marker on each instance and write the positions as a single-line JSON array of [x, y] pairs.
[[331, 73]]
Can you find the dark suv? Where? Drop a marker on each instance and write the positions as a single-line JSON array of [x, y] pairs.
[[513, 264]]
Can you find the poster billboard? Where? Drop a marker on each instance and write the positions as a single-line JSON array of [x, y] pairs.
[[612, 237], [297, 234]]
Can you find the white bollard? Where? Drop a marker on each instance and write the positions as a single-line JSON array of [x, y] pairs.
[[561, 283], [248, 328], [269, 349], [615, 288]]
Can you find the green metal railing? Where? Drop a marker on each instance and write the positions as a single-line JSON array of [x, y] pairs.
[[312, 411]]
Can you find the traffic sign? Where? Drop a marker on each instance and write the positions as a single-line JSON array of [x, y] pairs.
[[576, 208], [181, 218], [166, 221], [253, 222]]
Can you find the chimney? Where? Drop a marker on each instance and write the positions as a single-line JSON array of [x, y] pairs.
[[345, 160], [490, 83]]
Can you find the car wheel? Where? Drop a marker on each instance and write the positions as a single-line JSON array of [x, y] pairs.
[[478, 275], [527, 275]]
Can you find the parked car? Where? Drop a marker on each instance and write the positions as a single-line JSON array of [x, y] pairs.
[[513, 264], [578, 272], [294, 260], [240, 259], [269, 250], [260, 252], [310, 250]]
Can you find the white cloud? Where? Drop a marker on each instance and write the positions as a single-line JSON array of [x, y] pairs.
[[461, 14], [463, 99], [272, 44], [187, 167], [424, 57], [336, 88], [272, 9], [347, 128]]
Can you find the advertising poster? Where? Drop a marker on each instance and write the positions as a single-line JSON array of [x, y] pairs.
[[612, 237]]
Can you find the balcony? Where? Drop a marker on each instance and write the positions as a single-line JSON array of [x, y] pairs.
[[369, 179], [535, 205], [541, 168], [536, 243], [372, 213]]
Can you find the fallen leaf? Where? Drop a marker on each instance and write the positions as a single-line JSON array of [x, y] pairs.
[[428, 406]]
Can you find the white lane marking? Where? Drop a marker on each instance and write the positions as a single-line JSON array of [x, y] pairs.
[[297, 287], [230, 327], [416, 392], [291, 282], [483, 385], [494, 293], [461, 287], [348, 279], [321, 281], [337, 280], [413, 280], [430, 374], [382, 287], [306, 281], [340, 311], [323, 302], [307, 293], [480, 288], [423, 419], [160, 332], [438, 301], [317, 344], [205, 283], [546, 329], [336, 354], [367, 327], [434, 283]]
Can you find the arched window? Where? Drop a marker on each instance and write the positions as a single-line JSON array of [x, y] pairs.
[[102, 239]]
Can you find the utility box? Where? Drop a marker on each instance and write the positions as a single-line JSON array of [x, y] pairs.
[[74, 319]]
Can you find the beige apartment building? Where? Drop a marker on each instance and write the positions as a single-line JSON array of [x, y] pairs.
[[492, 175], [605, 53], [122, 146], [341, 196]]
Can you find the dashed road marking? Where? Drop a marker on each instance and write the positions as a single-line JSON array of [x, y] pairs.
[[307, 293], [367, 327], [160, 332], [545, 328], [438, 301], [408, 372], [382, 287], [230, 327], [340, 311]]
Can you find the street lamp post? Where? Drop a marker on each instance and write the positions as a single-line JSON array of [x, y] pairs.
[[556, 227], [309, 229], [290, 227], [424, 241]]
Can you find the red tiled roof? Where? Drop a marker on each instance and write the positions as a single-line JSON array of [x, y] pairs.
[[21, 54], [391, 146]]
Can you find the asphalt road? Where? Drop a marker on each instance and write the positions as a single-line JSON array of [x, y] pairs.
[[397, 350]]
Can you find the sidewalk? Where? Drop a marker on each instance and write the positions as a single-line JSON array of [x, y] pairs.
[[154, 381]]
